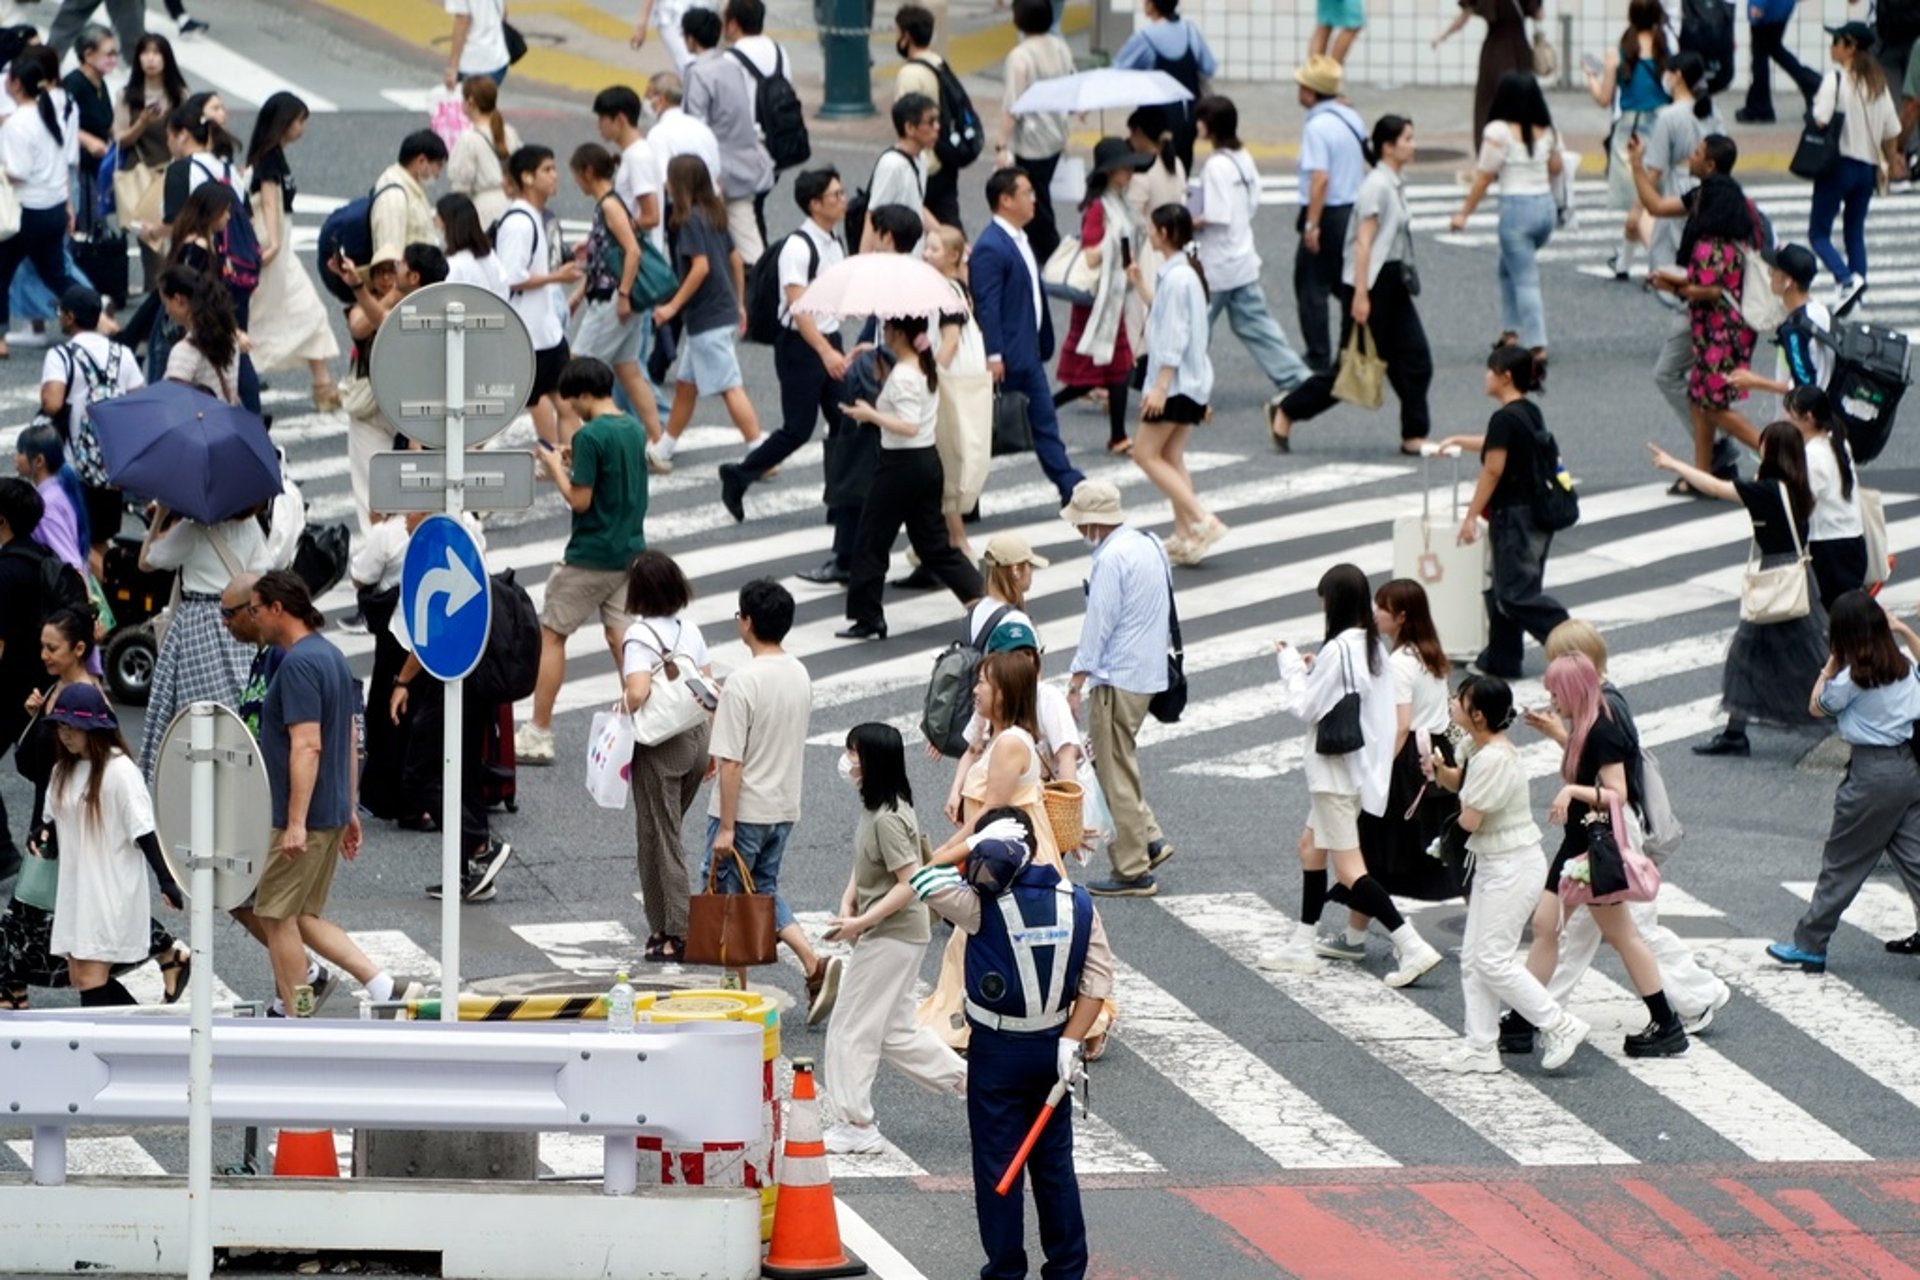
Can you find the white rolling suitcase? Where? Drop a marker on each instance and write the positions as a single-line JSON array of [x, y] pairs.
[[1427, 550]]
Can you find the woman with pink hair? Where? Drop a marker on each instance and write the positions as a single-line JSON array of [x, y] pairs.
[[1600, 756]]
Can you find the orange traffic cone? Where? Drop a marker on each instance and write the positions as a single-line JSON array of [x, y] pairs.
[[305, 1153], [806, 1229]]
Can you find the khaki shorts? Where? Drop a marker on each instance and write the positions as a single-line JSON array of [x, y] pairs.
[[1334, 820], [574, 593], [298, 886]]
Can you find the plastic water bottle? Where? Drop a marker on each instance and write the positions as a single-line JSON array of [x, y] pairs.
[[620, 1004]]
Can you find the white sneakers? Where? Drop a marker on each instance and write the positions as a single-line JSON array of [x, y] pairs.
[[1413, 956], [851, 1140], [1296, 955], [532, 744], [1472, 1059], [1558, 1041]]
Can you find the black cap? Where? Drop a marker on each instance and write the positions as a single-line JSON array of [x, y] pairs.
[[1796, 261], [1111, 154], [1857, 34], [83, 304]]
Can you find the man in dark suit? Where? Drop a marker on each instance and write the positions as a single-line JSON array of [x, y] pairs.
[[1014, 320]]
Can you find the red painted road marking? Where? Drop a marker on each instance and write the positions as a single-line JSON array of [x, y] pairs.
[[1838, 1239], [1529, 1230]]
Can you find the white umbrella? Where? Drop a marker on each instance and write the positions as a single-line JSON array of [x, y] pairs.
[[888, 285], [1105, 89]]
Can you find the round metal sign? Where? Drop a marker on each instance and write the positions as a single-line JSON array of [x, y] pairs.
[[242, 806], [408, 369]]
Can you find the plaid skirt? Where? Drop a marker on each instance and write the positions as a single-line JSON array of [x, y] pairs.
[[198, 661]]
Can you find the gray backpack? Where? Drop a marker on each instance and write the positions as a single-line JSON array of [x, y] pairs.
[[949, 701]]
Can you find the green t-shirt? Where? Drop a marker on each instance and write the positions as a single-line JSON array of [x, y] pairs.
[[884, 842], [609, 456]]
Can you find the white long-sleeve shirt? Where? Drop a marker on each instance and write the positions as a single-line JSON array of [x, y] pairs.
[[1342, 667]]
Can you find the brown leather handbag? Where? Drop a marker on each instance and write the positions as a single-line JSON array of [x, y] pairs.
[[730, 929]]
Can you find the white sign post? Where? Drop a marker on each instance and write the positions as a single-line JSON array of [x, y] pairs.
[[222, 807], [443, 416]]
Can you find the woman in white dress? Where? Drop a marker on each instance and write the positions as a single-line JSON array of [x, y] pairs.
[[474, 165], [963, 426], [288, 324], [99, 804]]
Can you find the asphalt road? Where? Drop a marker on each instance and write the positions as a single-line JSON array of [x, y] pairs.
[[1202, 1033]]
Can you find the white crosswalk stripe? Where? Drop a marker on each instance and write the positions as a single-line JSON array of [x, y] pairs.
[[1527, 1117]]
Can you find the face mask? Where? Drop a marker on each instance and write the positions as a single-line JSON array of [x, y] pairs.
[[846, 766], [648, 112], [901, 46], [1090, 540]]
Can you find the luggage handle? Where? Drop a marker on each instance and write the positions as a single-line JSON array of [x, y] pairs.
[[1428, 452]]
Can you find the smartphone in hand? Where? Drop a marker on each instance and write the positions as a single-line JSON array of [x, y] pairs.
[[1126, 253], [1591, 65]]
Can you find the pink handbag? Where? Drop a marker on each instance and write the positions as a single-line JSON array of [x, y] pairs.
[[1613, 837]]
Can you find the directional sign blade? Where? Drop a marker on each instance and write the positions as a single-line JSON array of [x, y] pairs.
[[404, 480], [444, 597]]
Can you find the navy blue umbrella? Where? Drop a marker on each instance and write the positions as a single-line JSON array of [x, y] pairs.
[[202, 457]]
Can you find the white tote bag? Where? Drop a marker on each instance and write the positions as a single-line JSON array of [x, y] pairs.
[[679, 698], [610, 757], [1778, 594], [9, 209]]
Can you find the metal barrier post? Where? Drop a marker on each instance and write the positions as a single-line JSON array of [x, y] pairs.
[[847, 60], [49, 1156], [622, 1172]]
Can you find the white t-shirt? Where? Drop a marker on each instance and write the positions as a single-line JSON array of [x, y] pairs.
[[676, 133], [1504, 154], [486, 49], [908, 397], [794, 260], [485, 273], [187, 363], [761, 51], [103, 910], [762, 722], [115, 363], [640, 649], [521, 248], [639, 175], [1834, 516], [1058, 728], [983, 609], [187, 547], [1413, 683], [898, 179], [376, 563], [1229, 194], [35, 163]]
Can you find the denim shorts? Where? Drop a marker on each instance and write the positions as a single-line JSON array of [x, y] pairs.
[[709, 362], [760, 845]]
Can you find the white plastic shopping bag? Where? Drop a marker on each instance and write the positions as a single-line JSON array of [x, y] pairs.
[[447, 114], [610, 758]]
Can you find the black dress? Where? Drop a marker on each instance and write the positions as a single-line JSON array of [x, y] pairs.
[[1771, 667]]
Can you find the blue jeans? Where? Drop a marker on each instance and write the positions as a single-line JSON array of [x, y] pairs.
[[498, 77], [760, 845], [1526, 223], [1260, 333], [1849, 182]]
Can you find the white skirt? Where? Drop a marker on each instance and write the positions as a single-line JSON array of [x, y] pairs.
[[288, 323]]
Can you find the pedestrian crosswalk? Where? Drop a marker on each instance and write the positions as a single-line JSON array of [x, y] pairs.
[[1250, 1088], [1893, 233]]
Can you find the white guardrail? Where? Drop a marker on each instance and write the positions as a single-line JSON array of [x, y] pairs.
[[686, 1082]]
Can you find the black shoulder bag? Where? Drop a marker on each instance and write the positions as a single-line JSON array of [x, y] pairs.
[[1339, 732]]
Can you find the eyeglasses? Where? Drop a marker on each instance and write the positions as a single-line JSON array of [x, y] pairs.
[[231, 611]]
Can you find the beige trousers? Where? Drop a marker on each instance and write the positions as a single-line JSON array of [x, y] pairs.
[[745, 229], [364, 439], [873, 1019], [1113, 733]]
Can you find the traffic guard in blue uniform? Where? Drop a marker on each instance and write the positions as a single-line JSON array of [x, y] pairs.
[[1037, 972]]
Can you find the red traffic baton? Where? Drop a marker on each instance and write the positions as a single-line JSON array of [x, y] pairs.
[[1058, 1092]]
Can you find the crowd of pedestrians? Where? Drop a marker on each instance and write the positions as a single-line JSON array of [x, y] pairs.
[[1170, 234]]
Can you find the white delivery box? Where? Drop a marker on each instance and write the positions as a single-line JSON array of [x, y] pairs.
[[1426, 548]]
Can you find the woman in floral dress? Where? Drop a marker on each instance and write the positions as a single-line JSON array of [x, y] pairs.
[[1720, 228]]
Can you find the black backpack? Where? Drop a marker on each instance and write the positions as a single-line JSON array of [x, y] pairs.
[[510, 666], [855, 221], [61, 586], [763, 289], [962, 137], [1554, 503], [1706, 28], [948, 706], [348, 230], [776, 109]]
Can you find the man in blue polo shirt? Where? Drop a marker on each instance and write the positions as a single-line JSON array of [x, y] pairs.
[[1332, 167]]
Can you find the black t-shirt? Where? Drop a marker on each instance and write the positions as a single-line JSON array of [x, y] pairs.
[[95, 104], [1512, 428], [712, 305], [1609, 742], [21, 670], [272, 167], [1761, 498]]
